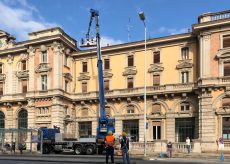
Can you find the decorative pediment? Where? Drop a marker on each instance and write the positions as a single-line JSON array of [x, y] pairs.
[[68, 76], [130, 71], [155, 68], [107, 74], [22, 74], [223, 53], [83, 76], [184, 64], [43, 67], [2, 77]]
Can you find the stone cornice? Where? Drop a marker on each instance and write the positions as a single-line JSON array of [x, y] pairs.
[[22, 74], [155, 68], [83, 76], [43, 67], [130, 71], [184, 64]]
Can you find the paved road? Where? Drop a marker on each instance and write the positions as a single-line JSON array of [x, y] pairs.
[[82, 162]]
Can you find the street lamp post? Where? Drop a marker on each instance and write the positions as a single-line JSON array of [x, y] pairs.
[[142, 18]]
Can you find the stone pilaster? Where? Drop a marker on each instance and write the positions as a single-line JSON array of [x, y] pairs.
[[31, 63], [141, 130], [118, 126], [57, 64], [9, 76], [205, 55], [31, 113], [170, 127], [58, 113], [206, 121], [9, 116], [94, 127]]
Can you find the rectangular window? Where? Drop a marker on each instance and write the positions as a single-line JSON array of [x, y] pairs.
[[156, 130], [106, 85], [184, 77], [44, 82], [1, 88], [130, 109], [184, 53], [24, 86], [85, 129], [130, 82], [226, 68], [130, 61], [156, 57], [106, 64], [1, 68], [65, 60], [84, 87], [226, 41], [66, 85], [156, 80], [84, 67], [44, 57], [23, 65]]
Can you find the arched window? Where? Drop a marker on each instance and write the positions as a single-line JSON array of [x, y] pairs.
[[2, 120], [23, 119]]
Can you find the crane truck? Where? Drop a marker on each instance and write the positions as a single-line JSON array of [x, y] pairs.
[[52, 140]]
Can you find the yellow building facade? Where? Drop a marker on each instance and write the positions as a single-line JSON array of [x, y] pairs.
[[47, 81]]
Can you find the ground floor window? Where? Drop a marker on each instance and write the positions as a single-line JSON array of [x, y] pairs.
[[85, 129], [185, 127], [131, 127], [156, 130], [226, 128]]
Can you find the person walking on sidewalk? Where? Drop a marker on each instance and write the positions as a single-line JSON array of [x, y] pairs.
[[125, 148], [169, 147], [110, 142], [188, 144]]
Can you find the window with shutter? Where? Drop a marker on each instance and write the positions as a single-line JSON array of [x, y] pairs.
[[84, 87], [130, 82], [106, 64], [1, 88], [130, 61], [226, 41], [23, 62], [184, 77], [226, 68], [156, 57], [84, 67], [106, 85], [156, 80], [44, 82], [24, 86]]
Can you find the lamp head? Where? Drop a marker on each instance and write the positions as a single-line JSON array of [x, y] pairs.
[[142, 15]]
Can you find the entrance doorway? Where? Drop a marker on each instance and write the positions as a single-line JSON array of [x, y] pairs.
[[185, 127]]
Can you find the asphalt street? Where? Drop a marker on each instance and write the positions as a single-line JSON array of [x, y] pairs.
[[8, 161]]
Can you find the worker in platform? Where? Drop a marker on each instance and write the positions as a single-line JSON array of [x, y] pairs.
[[125, 148], [110, 143]]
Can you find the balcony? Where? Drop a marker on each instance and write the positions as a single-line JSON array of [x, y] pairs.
[[169, 88], [207, 17], [22, 74], [214, 81], [43, 67]]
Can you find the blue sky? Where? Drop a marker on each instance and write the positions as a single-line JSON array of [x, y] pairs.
[[163, 17]]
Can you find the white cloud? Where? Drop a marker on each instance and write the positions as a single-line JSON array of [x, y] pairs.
[[106, 40], [172, 31], [18, 18]]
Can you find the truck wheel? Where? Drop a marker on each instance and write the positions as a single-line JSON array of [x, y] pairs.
[[46, 149], [89, 150], [77, 150]]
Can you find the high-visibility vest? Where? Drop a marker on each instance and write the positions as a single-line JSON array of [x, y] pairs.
[[110, 140]]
